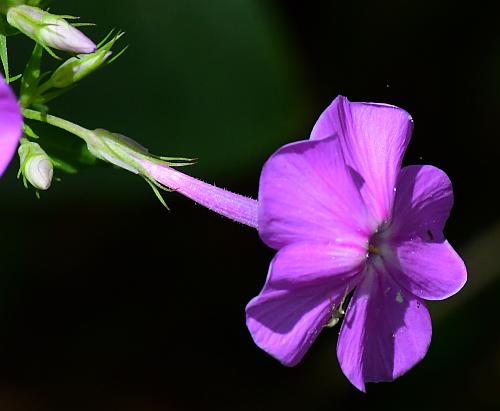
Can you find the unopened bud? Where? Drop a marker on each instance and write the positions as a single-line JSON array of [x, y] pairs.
[[76, 68], [36, 165], [49, 30]]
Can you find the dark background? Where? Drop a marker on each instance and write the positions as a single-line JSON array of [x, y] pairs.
[[110, 302]]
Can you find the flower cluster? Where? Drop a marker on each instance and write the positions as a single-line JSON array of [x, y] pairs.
[[49, 31]]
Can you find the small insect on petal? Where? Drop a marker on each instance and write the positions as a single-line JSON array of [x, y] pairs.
[[337, 313]]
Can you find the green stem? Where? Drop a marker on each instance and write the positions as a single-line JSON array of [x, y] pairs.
[[58, 122]]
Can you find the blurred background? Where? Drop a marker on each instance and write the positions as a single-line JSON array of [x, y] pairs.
[[110, 302]]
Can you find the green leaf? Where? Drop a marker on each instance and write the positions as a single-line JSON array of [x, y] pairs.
[[31, 77], [4, 56]]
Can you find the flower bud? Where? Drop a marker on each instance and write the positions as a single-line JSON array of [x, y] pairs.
[[76, 68], [49, 30], [36, 165]]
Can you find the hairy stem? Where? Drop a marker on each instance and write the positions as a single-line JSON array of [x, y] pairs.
[[231, 205], [224, 202]]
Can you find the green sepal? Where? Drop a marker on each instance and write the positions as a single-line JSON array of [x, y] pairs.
[[177, 161], [28, 131], [154, 187], [51, 52], [80, 24], [15, 78], [117, 55]]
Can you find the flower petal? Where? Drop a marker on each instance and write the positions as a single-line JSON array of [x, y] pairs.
[[11, 124], [332, 121], [422, 261], [374, 138], [304, 281], [302, 264], [433, 271], [306, 193], [386, 331], [424, 198]]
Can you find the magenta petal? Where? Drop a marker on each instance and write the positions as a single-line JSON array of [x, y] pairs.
[[332, 121], [285, 323], [306, 193], [303, 264], [433, 271], [422, 261], [374, 138], [423, 202], [386, 331], [11, 124], [304, 281]]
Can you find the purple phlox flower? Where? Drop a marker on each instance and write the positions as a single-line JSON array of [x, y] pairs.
[[345, 217], [11, 124]]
